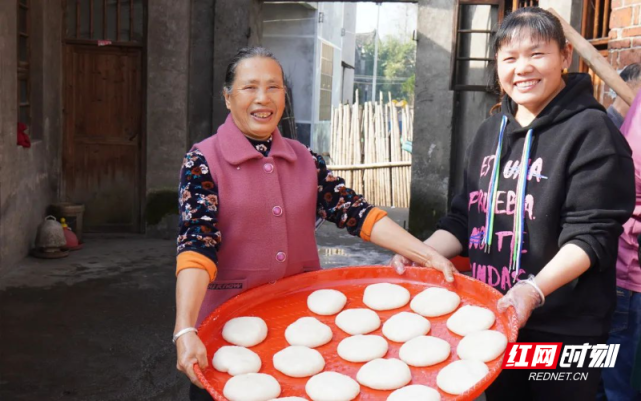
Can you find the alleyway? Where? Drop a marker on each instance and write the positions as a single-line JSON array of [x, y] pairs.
[[97, 325]]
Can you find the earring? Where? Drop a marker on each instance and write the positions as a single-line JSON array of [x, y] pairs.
[[564, 71]]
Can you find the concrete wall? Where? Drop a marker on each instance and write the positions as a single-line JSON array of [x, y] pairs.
[[201, 77], [233, 22], [29, 176], [330, 28], [167, 97], [471, 108], [294, 34], [289, 32], [432, 117], [329, 33], [349, 52]]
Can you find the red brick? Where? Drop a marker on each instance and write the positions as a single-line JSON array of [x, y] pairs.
[[629, 56], [614, 60], [631, 32], [636, 42], [628, 2], [619, 44], [614, 34], [621, 18], [616, 4]]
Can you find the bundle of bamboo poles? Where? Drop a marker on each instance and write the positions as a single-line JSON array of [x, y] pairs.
[[366, 150]]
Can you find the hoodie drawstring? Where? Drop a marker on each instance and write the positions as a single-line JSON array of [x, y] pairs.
[[519, 214], [493, 190]]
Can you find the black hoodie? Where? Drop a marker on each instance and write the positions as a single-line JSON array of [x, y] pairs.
[[580, 191]]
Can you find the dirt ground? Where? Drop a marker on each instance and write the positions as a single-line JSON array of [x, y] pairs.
[[97, 325]]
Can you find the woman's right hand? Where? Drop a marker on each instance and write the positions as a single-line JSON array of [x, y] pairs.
[[190, 350]]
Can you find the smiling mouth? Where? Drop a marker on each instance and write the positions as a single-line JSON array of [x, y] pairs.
[[525, 85], [262, 115]]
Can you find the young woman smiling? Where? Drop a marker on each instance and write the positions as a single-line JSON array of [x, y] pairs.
[[549, 181]]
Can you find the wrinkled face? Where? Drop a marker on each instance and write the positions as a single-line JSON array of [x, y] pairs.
[[257, 97], [530, 71]]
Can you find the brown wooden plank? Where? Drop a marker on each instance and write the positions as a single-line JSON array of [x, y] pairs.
[[455, 44], [584, 28], [24, 66], [77, 18], [118, 20], [605, 27], [90, 19], [103, 111], [599, 42], [93, 43], [104, 19], [584, 18], [597, 18], [68, 116], [131, 20]]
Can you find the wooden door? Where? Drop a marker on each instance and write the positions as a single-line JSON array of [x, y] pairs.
[[102, 139]]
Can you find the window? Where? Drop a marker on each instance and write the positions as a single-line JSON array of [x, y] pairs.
[[595, 27], [326, 79], [112, 20], [24, 56], [474, 26], [596, 18], [516, 4], [475, 23]]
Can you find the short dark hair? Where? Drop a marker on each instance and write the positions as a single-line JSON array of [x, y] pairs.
[[242, 54], [539, 23], [632, 72]]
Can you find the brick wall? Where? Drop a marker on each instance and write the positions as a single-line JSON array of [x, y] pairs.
[[624, 46]]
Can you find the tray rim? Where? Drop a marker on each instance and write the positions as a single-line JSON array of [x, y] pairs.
[[470, 394]]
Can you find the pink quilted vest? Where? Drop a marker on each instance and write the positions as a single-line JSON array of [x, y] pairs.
[[266, 213]]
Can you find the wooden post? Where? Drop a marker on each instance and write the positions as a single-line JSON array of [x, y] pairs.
[[596, 61]]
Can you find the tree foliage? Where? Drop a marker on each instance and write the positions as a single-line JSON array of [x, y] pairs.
[[396, 67]]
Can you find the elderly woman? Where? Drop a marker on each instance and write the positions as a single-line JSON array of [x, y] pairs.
[[249, 199]]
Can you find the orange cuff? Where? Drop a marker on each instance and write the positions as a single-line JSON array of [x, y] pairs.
[[194, 260], [373, 216]]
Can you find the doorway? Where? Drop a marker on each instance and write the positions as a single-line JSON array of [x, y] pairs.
[[103, 104]]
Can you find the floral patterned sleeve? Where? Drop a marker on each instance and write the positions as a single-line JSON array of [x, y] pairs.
[[336, 202], [198, 206]]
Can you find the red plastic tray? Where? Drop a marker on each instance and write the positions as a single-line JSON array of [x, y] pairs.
[[284, 301]]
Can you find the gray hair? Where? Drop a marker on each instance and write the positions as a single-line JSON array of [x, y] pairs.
[[632, 72], [245, 53]]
